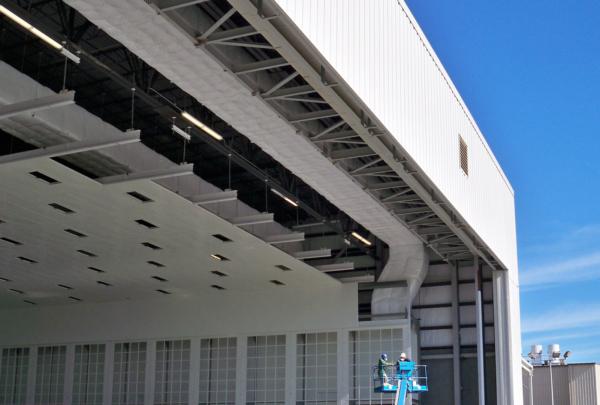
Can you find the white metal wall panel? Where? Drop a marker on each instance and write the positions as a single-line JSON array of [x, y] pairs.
[[582, 384], [381, 53]]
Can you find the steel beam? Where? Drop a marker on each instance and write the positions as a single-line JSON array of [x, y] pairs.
[[158, 174], [335, 136], [382, 284], [352, 153], [280, 84], [412, 211], [386, 185], [330, 268], [212, 198], [69, 148], [260, 65], [228, 35], [290, 92], [313, 115], [217, 24], [37, 104], [252, 219], [285, 238], [170, 5]]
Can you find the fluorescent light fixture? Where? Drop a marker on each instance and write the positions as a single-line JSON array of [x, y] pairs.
[[201, 125], [54, 44], [361, 238], [295, 204], [181, 133]]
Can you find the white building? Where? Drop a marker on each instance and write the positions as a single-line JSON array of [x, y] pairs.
[[336, 201]]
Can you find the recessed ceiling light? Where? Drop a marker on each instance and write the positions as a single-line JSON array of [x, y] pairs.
[[145, 223], [277, 282], [219, 258], [139, 196], [222, 238], [158, 278], [26, 259], [4, 279], [361, 238], [96, 269], [43, 177], [282, 267], [17, 291], [218, 273], [155, 263], [217, 287], [29, 302], [12, 241], [151, 246], [163, 292], [74, 298], [61, 208], [104, 283], [76, 233], [65, 286], [86, 253]]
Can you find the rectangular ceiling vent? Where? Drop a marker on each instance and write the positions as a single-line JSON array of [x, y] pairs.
[[155, 264], [217, 287], [44, 177], [218, 273], [26, 259], [86, 253], [74, 298], [151, 246], [140, 197], [12, 241], [163, 292], [145, 223], [277, 282], [282, 267], [463, 152], [96, 269], [76, 233], [104, 283], [219, 258], [17, 291], [61, 208], [161, 279], [222, 238], [66, 287]]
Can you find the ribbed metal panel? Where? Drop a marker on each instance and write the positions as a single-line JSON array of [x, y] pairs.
[[583, 384], [381, 53]]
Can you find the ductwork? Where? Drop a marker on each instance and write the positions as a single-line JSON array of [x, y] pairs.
[[73, 123], [162, 45]]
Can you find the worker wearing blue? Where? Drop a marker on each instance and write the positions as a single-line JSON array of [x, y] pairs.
[[381, 365]]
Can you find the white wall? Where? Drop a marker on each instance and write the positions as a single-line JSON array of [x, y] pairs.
[[380, 52]]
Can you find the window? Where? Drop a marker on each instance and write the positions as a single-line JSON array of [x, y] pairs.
[[88, 375], [50, 375], [13, 376], [266, 370], [316, 368], [463, 152], [172, 376], [217, 371], [365, 348], [129, 374]]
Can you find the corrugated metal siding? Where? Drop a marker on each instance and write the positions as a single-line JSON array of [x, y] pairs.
[[541, 385], [583, 385], [378, 49]]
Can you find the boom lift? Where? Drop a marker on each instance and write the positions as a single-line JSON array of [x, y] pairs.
[[401, 379]]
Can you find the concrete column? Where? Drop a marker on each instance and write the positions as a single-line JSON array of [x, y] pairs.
[[290, 368], [241, 364], [69, 374], [480, 326], [455, 335], [109, 365], [31, 375], [194, 390], [149, 372], [343, 367]]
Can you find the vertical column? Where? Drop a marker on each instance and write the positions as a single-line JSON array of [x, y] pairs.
[[455, 334], [109, 365], [240, 376], [31, 374], [149, 372], [480, 326], [290, 368], [500, 338], [343, 367], [194, 391], [69, 371]]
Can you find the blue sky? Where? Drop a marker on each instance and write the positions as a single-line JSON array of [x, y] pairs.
[[530, 73]]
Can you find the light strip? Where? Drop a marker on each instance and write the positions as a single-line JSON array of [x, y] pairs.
[[361, 238], [181, 133], [201, 125], [216, 257], [54, 44], [289, 200]]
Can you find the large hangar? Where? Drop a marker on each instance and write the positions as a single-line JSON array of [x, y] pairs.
[[244, 202]]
